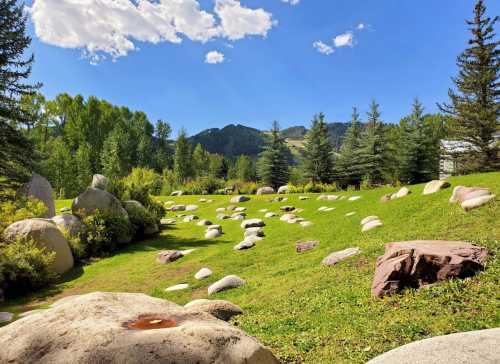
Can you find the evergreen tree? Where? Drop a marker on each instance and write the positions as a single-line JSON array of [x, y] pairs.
[[60, 169], [84, 166], [16, 153], [318, 164], [350, 167], [244, 168], [273, 161], [474, 106], [182, 159], [113, 157], [162, 150], [200, 161]]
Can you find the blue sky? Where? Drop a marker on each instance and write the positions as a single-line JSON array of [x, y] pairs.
[[270, 69]]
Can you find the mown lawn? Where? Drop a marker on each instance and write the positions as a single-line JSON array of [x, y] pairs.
[[304, 311]]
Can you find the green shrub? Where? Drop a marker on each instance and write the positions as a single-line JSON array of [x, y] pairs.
[[242, 187], [140, 219], [12, 210], [24, 267], [146, 178]]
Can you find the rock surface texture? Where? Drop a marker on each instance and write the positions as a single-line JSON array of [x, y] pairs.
[[70, 224], [127, 328], [93, 199], [419, 263], [99, 181]]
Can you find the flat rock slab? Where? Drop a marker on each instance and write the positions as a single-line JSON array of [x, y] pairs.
[[422, 262], [303, 246], [265, 191], [252, 223], [303, 198], [435, 186], [328, 198], [177, 287], [168, 256], [306, 223], [6, 317], [350, 214], [336, 257], [203, 273], [240, 209], [223, 217], [228, 282], [178, 208], [403, 192], [474, 347], [127, 328], [223, 310], [354, 198], [368, 219]]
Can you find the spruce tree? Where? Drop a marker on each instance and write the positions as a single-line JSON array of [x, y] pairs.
[[200, 161], [474, 106], [244, 168], [182, 159], [16, 153], [318, 166], [273, 162]]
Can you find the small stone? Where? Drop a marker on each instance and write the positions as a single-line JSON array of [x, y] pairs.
[[190, 218], [252, 223], [203, 273], [177, 287], [287, 217], [435, 186], [303, 246], [270, 214], [306, 223], [329, 209], [255, 231], [244, 245], [366, 220], [228, 282], [350, 214], [287, 208], [223, 310], [6, 317], [204, 223], [302, 198], [215, 227], [336, 257], [403, 192], [202, 200], [231, 208], [191, 207], [371, 225], [240, 216], [240, 209], [322, 208], [220, 209], [263, 210], [223, 217], [178, 208], [167, 221], [386, 198], [187, 252], [168, 256], [177, 193], [354, 198], [238, 199], [212, 234], [328, 198]]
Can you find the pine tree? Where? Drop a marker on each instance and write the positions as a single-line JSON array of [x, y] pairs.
[[350, 167], [318, 164], [16, 153], [475, 104], [273, 162], [84, 166], [244, 168], [200, 161], [113, 156], [182, 159]]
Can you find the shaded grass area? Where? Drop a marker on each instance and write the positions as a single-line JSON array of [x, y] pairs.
[[304, 311]]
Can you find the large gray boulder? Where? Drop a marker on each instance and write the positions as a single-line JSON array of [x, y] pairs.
[[471, 197], [127, 328], [474, 347], [99, 181], [237, 199], [265, 191], [93, 199], [69, 224], [39, 187], [283, 190], [46, 235]]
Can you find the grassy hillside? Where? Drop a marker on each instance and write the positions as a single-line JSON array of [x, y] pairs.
[[304, 311]]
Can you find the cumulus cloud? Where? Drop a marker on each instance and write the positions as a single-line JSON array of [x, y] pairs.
[[344, 40], [112, 27], [214, 57], [291, 2], [323, 48]]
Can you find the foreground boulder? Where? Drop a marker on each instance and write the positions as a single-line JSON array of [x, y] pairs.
[[419, 263], [99, 181], [435, 186], [93, 199], [127, 328], [69, 224], [39, 187], [46, 235], [471, 197], [265, 191], [474, 347]]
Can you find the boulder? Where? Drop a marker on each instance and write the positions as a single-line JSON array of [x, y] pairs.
[[303, 246], [306, 223], [177, 193], [223, 310], [418, 263], [237, 199], [283, 190], [168, 256], [368, 219], [6, 317], [175, 208], [227, 282], [474, 203], [99, 181], [287, 208], [127, 328], [245, 244], [435, 186], [45, 234], [265, 191], [191, 207], [252, 223], [177, 287], [204, 223], [461, 193], [93, 199], [287, 217], [254, 231], [403, 192], [473, 347], [371, 225], [212, 234], [69, 224], [270, 214], [203, 273], [336, 257], [39, 187]]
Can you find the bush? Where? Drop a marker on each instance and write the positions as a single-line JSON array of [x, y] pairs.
[[24, 267], [242, 187], [147, 179], [141, 218], [12, 210]]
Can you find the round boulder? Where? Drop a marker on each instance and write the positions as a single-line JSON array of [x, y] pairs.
[[283, 190], [237, 199], [265, 191], [435, 186], [99, 181], [46, 235], [127, 328], [93, 199], [69, 224], [39, 187]]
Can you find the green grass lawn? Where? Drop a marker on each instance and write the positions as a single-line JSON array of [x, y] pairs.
[[303, 311]]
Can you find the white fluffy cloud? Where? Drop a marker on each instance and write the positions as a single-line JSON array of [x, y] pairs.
[[291, 2], [111, 27], [344, 40], [214, 57], [323, 48], [361, 26]]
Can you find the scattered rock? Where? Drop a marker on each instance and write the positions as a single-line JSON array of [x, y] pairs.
[[471, 197], [220, 209], [69, 224], [303, 246], [191, 207], [223, 310], [202, 200], [227, 282], [287, 208], [350, 214], [204, 223], [283, 190], [368, 219], [231, 208], [168, 256], [177, 287], [215, 227], [270, 214], [252, 223], [435, 186], [244, 245], [287, 217], [336, 257], [386, 198], [127, 328], [403, 192], [187, 252], [6, 317], [99, 181], [479, 347], [203, 273], [306, 223], [177, 193], [354, 198], [238, 199], [254, 231], [167, 221], [212, 234], [240, 216], [178, 208], [474, 203], [279, 199], [223, 217], [328, 198], [190, 218], [322, 208], [302, 198], [265, 191], [418, 263], [240, 209], [296, 220], [45, 234], [39, 187], [371, 225]]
